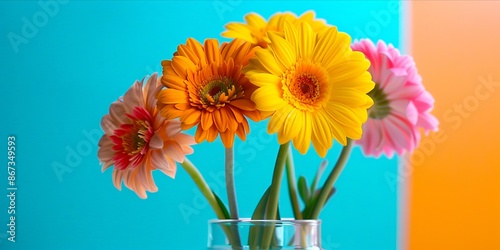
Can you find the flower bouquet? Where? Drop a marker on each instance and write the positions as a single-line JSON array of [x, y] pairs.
[[299, 74]]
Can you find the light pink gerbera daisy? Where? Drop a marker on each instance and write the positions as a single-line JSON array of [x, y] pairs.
[[137, 140], [401, 103]]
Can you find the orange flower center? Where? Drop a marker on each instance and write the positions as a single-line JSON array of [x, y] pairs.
[[305, 88], [217, 92], [214, 90], [305, 85]]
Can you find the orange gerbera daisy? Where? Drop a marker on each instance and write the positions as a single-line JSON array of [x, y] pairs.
[[137, 140], [205, 87], [255, 31]]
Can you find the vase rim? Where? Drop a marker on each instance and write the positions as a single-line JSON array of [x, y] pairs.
[[263, 220]]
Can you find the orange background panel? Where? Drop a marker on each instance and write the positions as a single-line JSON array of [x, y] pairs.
[[454, 187]]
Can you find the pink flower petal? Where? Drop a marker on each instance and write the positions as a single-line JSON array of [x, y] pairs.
[[156, 142], [138, 140], [409, 102], [412, 113]]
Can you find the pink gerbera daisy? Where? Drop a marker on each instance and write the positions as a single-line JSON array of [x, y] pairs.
[[401, 103], [137, 140]]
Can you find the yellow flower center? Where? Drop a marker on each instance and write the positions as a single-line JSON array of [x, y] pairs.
[[305, 85]]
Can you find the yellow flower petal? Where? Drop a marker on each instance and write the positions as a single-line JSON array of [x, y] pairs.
[[321, 127], [342, 114], [278, 119], [283, 51], [293, 125], [255, 20], [267, 60], [263, 79], [239, 30], [303, 140], [341, 52], [309, 68], [324, 44], [307, 40], [268, 99]]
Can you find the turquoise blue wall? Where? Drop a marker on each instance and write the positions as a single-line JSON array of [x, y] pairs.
[[63, 65]]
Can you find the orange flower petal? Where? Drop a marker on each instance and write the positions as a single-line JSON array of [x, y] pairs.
[[241, 132], [212, 134], [244, 104], [170, 113], [210, 88], [206, 120], [212, 51], [190, 116], [219, 120], [201, 134], [172, 96], [173, 82], [227, 138], [237, 113], [228, 115]]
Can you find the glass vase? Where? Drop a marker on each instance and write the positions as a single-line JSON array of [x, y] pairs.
[[264, 234]]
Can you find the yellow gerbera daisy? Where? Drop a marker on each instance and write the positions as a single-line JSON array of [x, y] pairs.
[[206, 87], [315, 85], [255, 31]]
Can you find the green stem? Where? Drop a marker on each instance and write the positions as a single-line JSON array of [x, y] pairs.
[[319, 173], [334, 175], [231, 196], [203, 187], [209, 195], [274, 193], [292, 186], [231, 190]]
